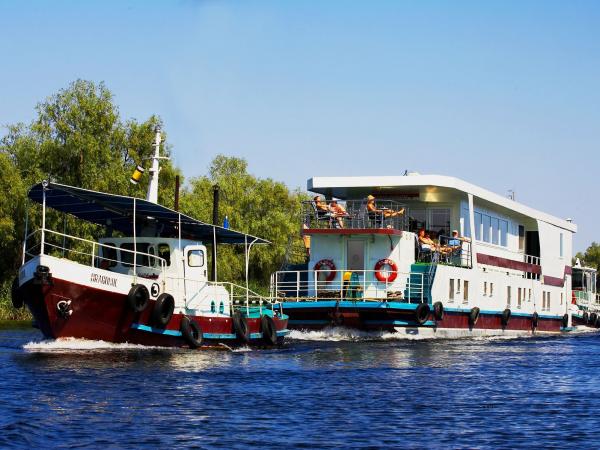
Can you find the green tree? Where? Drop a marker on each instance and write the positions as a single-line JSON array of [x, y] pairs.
[[591, 257], [261, 207], [77, 138]]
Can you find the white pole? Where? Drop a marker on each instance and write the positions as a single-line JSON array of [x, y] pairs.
[[473, 234], [134, 246], [44, 185], [152, 195], [214, 245], [26, 230]]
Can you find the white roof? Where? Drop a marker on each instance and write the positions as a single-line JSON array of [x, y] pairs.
[[342, 186]]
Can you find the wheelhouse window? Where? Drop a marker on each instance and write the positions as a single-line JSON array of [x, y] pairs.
[[109, 255], [561, 245], [164, 252], [127, 256], [195, 258]]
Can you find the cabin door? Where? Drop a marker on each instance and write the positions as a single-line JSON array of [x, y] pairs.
[[194, 269], [355, 254]]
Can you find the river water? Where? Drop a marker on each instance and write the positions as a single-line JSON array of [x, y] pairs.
[[322, 390]]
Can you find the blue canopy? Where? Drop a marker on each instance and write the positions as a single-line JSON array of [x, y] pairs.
[[116, 211]]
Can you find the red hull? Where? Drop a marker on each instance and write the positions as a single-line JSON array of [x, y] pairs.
[[104, 315]]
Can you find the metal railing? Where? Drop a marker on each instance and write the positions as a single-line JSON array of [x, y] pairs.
[[347, 285], [86, 252], [449, 251], [357, 215]]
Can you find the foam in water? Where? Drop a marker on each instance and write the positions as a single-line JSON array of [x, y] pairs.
[[336, 334], [73, 344]]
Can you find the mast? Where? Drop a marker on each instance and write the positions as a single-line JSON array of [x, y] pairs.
[[153, 184]]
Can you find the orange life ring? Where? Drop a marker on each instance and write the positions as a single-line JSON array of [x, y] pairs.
[[381, 272], [326, 264]]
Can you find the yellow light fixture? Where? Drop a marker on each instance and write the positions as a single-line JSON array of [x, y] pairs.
[[137, 175]]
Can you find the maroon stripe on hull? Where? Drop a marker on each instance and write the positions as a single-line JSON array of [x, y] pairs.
[[104, 315]]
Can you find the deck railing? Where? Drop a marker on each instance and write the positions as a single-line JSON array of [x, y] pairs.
[[451, 251], [357, 215], [87, 252], [347, 285]]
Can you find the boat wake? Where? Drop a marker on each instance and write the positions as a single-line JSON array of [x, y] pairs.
[[78, 345], [337, 334]]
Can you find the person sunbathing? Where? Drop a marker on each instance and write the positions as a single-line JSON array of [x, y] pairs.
[[338, 212], [320, 204], [372, 208], [426, 242]]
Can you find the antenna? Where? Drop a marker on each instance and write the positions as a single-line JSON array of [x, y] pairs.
[[511, 194], [152, 195]]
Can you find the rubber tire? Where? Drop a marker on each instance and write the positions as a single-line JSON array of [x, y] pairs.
[[422, 313], [15, 294], [268, 330], [597, 324], [474, 316], [438, 311], [163, 310], [191, 332], [586, 318], [240, 326], [506, 317], [592, 319], [138, 298], [565, 321], [535, 320]]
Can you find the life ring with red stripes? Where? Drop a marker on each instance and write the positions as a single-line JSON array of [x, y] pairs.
[[386, 270], [325, 264]]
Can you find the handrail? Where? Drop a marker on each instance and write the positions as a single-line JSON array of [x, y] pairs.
[[357, 215], [361, 284], [94, 256]]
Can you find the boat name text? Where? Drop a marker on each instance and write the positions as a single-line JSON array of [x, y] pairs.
[[103, 279]]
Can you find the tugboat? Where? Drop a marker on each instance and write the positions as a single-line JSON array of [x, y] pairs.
[[428, 255], [148, 285], [585, 300]]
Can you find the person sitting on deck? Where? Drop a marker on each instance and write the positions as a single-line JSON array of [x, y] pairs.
[[338, 212], [372, 208], [425, 242], [322, 211]]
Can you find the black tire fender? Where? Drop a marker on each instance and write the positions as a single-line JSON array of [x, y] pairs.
[[586, 317], [422, 313], [163, 310], [191, 332], [240, 326], [565, 321], [592, 319], [506, 317], [15, 294], [474, 316], [535, 319], [138, 297], [438, 310], [268, 330]]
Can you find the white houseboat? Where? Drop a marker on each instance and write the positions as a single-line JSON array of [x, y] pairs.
[[506, 268]]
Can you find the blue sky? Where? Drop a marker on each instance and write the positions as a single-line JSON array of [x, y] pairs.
[[502, 94]]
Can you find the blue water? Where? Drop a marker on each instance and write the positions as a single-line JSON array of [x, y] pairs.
[[327, 393]]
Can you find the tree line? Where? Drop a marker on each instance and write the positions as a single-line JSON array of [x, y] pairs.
[[79, 138]]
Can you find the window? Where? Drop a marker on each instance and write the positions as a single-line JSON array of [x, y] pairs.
[[491, 289], [485, 288], [529, 300], [195, 258], [466, 292], [521, 238], [418, 219], [487, 220], [127, 256], [561, 298], [519, 298], [164, 252], [548, 301], [504, 233], [495, 230], [508, 296], [561, 245], [440, 221], [478, 225], [109, 256], [451, 290], [466, 222]]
